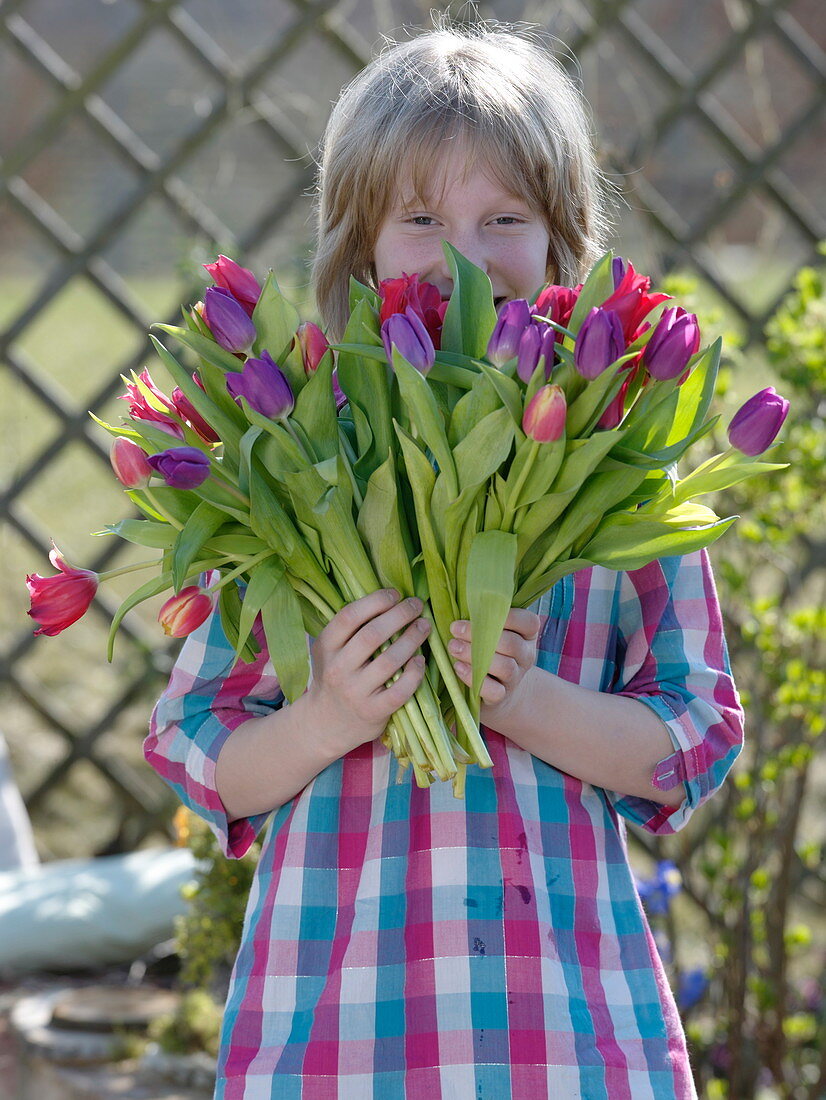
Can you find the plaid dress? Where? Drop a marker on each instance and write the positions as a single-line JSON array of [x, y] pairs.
[[402, 943]]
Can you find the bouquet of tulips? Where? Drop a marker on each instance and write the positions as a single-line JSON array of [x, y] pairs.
[[463, 456]]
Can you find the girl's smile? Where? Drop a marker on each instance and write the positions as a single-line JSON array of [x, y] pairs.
[[496, 230]]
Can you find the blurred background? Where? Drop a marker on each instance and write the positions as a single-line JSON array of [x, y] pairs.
[[140, 138]]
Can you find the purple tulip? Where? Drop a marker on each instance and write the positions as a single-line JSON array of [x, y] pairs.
[[228, 321], [755, 425], [599, 343], [181, 467], [550, 339], [530, 348], [618, 269], [514, 318], [675, 339], [265, 387], [406, 331]]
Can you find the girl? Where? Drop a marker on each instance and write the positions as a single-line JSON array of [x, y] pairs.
[[400, 942]]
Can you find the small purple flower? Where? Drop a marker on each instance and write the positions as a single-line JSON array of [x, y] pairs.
[[530, 348], [514, 318], [338, 392], [755, 425], [675, 339], [265, 387], [618, 269], [181, 467], [228, 321], [656, 893], [406, 331], [599, 342]]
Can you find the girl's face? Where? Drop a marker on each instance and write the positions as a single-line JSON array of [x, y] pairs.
[[496, 230]]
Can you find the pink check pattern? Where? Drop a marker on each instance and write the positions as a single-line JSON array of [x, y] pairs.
[[401, 943]]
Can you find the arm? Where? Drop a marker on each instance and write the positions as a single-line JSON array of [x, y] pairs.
[[607, 740], [672, 677], [223, 738]]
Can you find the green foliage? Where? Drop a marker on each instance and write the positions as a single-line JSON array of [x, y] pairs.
[[752, 859], [194, 1026]]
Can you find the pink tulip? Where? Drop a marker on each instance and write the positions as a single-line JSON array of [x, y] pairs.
[[314, 346], [57, 602], [185, 611], [187, 411], [545, 414], [239, 281], [129, 461]]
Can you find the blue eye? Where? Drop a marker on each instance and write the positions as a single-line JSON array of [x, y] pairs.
[[421, 219]]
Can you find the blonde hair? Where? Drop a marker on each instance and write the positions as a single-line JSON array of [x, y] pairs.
[[524, 118]]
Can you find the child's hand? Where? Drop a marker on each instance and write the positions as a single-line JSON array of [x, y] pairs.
[[515, 655], [348, 695]]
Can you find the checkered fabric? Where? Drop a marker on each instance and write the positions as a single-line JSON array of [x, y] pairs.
[[402, 943]]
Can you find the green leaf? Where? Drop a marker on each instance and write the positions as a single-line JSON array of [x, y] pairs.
[[695, 394], [225, 426], [263, 580], [248, 441], [489, 590], [597, 288], [471, 314], [425, 414], [484, 448], [283, 623], [379, 524], [366, 381], [315, 411], [179, 503], [472, 407], [276, 321], [535, 521], [229, 607], [631, 540], [359, 292], [144, 532], [422, 477], [509, 392], [203, 522]]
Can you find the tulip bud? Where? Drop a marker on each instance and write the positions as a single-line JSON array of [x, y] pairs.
[[514, 318], [755, 425], [181, 467], [599, 343], [57, 602], [406, 331], [530, 348], [264, 386], [187, 411], [228, 321], [130, 463], [314, 346], [184, 612], [557, 303], [239, 281], [618, 269], [672, 343], [338, 392], [545, 413]]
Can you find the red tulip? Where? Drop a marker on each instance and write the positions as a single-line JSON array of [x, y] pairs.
[[398, 295], [187, 411], [57, 602], [314, 346], [239, 281], [129, 461], [557, 303], [632, 301], [185, 611], [141, 409], [545, 414]]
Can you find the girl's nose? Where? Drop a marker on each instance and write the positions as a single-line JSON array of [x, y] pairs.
[[471, 247]]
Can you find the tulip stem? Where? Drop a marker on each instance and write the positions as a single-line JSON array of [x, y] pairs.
[[159, 508], [303, 444], [248, 563], [231, 489], [312, 597], [124, 569], [512, 503], [554, 325]]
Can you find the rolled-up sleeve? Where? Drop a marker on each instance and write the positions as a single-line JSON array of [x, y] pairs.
[[672, 656], [209, 695]]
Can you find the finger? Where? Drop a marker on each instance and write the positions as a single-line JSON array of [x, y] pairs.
[[502, 668], [346, 622], [370, 638], [523, 622], [492, 690], [397, 694], [384, 665], [512, 647]]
